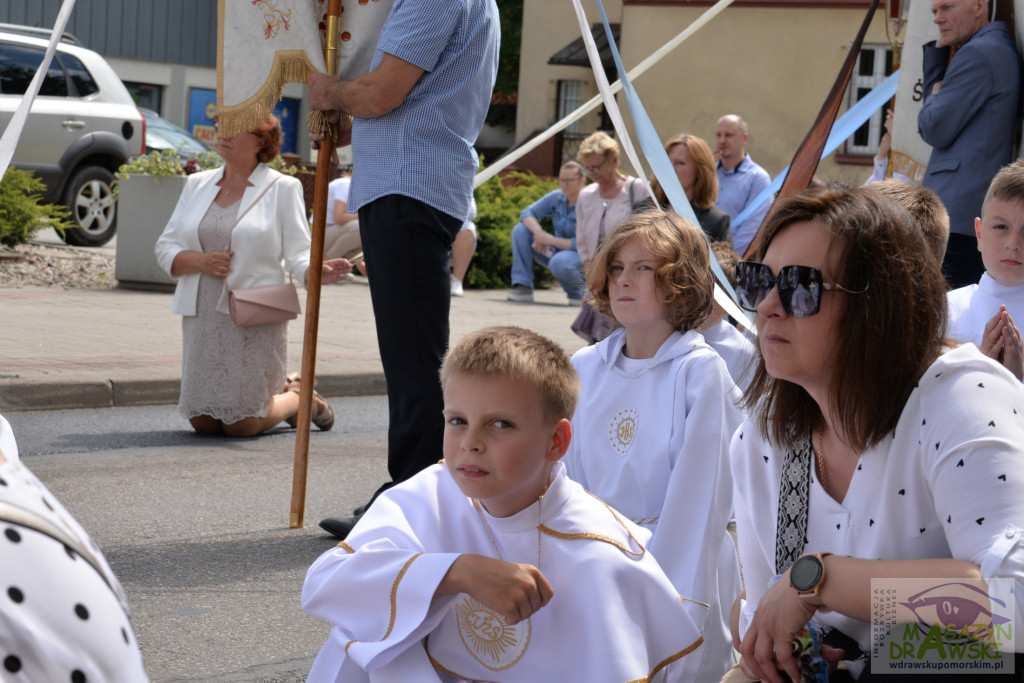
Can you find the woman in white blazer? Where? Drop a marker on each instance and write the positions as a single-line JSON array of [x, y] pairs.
[[234, 379]]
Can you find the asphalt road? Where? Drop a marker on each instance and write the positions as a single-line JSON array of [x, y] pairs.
[[196, 528]]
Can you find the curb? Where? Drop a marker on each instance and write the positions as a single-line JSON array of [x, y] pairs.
[[73, 395]]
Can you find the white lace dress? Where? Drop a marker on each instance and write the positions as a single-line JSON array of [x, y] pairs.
[[227, 372]]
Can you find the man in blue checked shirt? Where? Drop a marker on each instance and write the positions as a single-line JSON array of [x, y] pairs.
[[556, 252], [416, 116], [740, 180]]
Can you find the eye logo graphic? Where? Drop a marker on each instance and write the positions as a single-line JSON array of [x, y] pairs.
[[623, 429], [960, 608]]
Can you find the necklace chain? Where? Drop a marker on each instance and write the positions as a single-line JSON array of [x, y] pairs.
[[494, 542], [819, 460]]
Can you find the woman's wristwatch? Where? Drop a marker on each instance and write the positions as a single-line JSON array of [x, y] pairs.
[[807, 577]]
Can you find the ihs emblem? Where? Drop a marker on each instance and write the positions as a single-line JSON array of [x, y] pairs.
[[489, 639], [622, 430]]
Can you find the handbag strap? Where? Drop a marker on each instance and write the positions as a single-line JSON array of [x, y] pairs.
[[794, 500], [242, 215], [254, 203]]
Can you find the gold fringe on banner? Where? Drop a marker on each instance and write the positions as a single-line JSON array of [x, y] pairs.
[[290, 66], [906, 166]]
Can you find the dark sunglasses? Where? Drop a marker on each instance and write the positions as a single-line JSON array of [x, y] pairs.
[[800, 287]]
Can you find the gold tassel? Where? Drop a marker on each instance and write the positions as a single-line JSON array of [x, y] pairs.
[[290, 66]]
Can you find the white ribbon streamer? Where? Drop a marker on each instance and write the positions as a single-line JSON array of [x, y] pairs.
[[9, 140], [594, 102], [612, 107]]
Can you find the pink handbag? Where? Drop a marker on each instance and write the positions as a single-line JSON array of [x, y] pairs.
[[265, 304], [262, 305]]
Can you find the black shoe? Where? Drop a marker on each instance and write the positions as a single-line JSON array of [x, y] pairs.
[[339, 527], [358, 512]]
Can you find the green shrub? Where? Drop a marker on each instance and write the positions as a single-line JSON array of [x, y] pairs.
[[498, 205], [22, 213], [167, 162]]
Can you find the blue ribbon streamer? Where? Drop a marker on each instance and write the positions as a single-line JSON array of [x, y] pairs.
[[845, 126], [652, 148]]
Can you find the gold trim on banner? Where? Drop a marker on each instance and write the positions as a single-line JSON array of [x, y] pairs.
[[290, 66]]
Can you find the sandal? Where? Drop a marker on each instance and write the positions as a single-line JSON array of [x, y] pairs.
[[324, 418]]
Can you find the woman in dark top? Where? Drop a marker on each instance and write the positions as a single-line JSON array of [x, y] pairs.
[[694, 165]]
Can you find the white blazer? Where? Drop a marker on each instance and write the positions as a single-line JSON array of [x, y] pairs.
[[270, 241]]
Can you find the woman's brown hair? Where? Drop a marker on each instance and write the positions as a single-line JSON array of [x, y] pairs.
[[269, 133], [888, 334], [705, 186], [682, 271]]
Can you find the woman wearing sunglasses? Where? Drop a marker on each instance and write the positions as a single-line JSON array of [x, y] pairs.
[[873, 447]]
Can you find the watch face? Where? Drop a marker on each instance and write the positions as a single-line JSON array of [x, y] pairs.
[[805, 573]]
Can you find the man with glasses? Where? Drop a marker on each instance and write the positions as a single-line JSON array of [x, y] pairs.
[[556, 252]]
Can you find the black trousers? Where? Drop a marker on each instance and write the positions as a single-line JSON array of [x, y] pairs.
[[962, 265], [406, 244]]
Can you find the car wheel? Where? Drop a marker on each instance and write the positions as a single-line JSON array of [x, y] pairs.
[[90, 199]]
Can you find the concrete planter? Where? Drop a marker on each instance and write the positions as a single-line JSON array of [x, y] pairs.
[[144, 205]]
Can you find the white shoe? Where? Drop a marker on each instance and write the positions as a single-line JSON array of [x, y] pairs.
[[456, 287]]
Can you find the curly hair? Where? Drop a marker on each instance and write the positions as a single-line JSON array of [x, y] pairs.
[[888, 334], [597, 143], [682, 272], [269, 133]]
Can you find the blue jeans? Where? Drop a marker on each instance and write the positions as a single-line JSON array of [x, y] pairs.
[[565, 264]]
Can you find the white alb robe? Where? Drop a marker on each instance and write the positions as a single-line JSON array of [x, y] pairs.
[[614, 615], [737, 350], [971, 307], [651, 437]]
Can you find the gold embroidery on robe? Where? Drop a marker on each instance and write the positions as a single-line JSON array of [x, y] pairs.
[[623, 429]]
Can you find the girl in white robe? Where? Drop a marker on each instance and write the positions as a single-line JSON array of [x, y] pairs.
[[657, 410]]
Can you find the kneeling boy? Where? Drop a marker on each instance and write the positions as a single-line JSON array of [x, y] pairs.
[[494, 565]]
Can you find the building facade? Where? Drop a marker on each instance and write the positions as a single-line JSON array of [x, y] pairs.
[[771, 61]]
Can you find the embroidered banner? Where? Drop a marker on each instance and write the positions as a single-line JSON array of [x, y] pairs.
[[263, 44]]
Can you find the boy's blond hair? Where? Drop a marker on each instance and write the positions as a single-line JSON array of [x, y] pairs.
[[520, 355], [925, 207], [1008, 185], [682, 270]]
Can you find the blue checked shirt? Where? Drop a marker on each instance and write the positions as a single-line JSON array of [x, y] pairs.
[[424, 148], [736, 189]]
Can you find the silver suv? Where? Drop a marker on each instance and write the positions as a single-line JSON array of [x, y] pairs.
[[82, 127]]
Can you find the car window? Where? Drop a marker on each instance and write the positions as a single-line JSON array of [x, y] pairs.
[[80, 76], [18, 64]]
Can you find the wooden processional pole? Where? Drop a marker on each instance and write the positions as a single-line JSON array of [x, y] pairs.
[[313, 283]]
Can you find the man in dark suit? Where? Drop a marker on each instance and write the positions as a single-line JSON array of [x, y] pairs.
[[969, 117]]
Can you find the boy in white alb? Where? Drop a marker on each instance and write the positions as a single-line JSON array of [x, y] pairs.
[[494, 565], [656, 414], [984, 314]]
